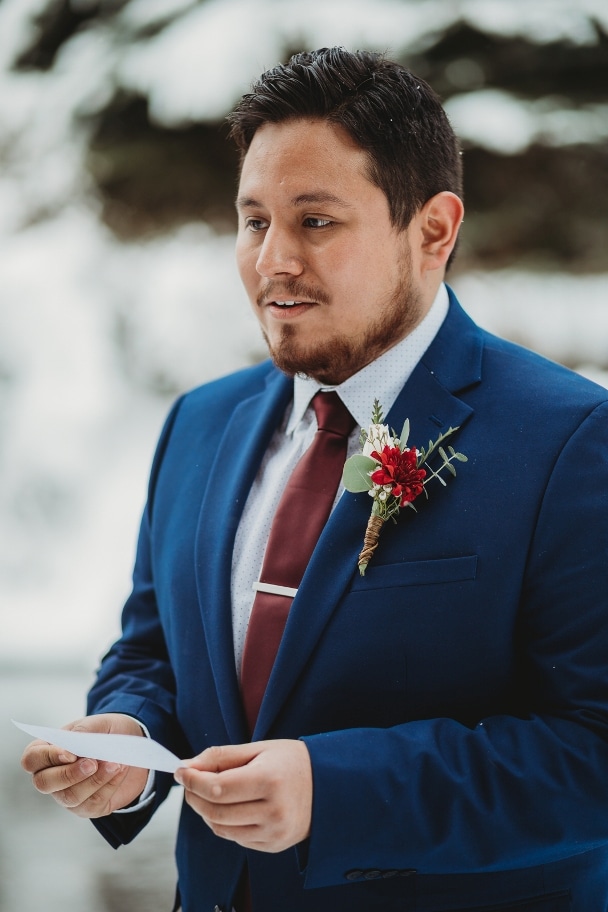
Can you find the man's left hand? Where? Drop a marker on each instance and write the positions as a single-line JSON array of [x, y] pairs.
[[259, 794]]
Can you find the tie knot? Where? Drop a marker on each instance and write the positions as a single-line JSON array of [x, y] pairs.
[[332, 414]]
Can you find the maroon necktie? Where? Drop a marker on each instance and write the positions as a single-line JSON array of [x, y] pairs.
[[303, 510]]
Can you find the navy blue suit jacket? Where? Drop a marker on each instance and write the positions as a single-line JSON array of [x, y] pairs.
[[454, 700]]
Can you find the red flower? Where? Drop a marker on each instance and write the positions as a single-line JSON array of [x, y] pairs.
[[399, 470]]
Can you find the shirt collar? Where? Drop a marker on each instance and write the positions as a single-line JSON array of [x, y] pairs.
[[383, 379]]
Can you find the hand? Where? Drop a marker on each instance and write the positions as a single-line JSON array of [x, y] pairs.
[[259, 795], [86, 787]]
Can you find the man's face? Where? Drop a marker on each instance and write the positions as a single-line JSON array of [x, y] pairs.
[[328, 276]]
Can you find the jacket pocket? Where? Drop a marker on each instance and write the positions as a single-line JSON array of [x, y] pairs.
[[417, 573]]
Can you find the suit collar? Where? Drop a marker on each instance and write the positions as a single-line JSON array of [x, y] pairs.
[[455, 355]]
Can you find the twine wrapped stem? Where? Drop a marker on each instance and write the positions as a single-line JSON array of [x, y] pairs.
[[370, 542]]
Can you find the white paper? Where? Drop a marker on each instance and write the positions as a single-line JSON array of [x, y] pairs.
[[128, 750]]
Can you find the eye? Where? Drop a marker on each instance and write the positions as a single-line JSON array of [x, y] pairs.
[[256, 224], [313, 221]]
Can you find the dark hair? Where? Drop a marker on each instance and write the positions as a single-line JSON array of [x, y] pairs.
[[390, 113]]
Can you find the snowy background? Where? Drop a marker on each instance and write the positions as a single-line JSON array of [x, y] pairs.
[[105, 318]]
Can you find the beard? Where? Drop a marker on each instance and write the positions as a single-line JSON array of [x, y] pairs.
[[333, 359]]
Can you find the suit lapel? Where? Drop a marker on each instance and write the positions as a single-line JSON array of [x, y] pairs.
[[244, 442], [452, 363]]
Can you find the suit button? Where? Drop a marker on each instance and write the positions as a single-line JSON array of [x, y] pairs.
[[372, 874], [391, 873], [406, 872], [355, 874]]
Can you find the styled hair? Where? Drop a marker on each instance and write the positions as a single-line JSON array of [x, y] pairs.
[[394, 116]]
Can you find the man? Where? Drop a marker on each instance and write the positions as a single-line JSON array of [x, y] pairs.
[[433, 734]]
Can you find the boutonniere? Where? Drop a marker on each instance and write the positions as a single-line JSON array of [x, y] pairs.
[[393, 474]]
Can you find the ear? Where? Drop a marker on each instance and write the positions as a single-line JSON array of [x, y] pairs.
[[440, 220]]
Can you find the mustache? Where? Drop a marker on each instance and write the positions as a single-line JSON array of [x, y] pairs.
[[293, 289]]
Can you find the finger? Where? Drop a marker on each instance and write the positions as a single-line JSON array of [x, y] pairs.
[[248, 825], [246, 813], [106, 723], [247, 836], [98, 724], [67, 775], [73, 783], [223, 773], [99, 795], [40, 755], [228, 756], [232, 786], [238, 823]]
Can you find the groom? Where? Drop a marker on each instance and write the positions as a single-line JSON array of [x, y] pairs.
[[433, 734]]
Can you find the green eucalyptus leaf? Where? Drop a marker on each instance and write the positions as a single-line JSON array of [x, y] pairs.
[[460, 457], [377, 413], [405, 433], [355, 476]]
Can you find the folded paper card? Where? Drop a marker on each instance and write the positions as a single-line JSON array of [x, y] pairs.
[[128, 750]]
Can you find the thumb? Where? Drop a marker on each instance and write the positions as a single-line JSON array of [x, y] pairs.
[[229, 756], [106, 724]]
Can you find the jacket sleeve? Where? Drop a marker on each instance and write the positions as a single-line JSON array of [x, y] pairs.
[[510, 791], [135, 677]]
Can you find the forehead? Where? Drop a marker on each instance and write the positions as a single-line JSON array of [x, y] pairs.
[[304, 157]]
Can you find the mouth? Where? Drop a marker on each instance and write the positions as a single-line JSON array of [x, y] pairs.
[[288, 303], [289, 308]]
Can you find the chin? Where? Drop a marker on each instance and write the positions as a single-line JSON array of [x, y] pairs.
[[330, 364], [332, 359]]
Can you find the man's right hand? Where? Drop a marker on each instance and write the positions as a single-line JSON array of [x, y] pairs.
[[86, 787]]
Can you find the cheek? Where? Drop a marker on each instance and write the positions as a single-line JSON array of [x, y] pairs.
[[358, 266]]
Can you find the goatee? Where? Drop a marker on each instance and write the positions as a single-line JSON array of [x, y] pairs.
[[335, 358]]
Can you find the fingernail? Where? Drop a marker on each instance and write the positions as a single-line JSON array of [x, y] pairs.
[[179, 776], [88, 767], [112, 768]]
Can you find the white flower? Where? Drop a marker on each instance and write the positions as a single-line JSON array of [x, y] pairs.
[[378, 436]]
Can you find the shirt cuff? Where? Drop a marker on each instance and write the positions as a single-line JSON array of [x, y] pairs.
[[148, 793]]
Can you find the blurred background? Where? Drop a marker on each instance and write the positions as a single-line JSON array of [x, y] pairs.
[[118, 291]]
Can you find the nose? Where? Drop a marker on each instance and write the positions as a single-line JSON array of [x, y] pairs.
[[279, 254]]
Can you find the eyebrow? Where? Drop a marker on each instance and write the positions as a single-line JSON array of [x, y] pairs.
[[303, 199], [322, 196]]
